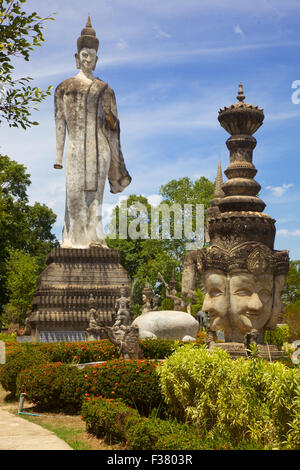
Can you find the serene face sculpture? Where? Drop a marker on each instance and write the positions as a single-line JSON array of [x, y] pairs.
[[251, 300], [86, 59], [216, 300], [239, 303]]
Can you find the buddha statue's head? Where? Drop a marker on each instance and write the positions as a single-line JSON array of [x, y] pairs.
[[87, 47]]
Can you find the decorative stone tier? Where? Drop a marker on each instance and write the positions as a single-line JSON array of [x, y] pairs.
[[268, 352], [241, 120], [75, 281], [232, 228]]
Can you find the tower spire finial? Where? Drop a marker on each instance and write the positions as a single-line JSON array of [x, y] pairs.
[[240, 97], [219, 182], [88, 23]]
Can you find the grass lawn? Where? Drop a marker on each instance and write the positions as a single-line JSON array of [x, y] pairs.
[[69, 428]]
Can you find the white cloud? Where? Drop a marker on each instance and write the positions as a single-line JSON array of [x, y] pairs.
[[238, 30], [122, 44], [279, 191], [288, 233], [161, 33], [154, 199]]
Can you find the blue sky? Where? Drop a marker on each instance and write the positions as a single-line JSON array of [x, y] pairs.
[[173, 64]]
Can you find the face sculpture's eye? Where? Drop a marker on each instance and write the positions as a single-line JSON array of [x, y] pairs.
[[215, 293]]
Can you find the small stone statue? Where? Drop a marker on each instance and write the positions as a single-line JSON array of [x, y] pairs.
[[123, 307], [129, 347], [95, 329], [250, 339], [211, 337], [179, 303], [155, 302], [201, 317], [146, 296]]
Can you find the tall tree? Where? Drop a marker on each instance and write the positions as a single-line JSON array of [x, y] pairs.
[[144, 257], [20, 33], [22, 226], [21, 275]]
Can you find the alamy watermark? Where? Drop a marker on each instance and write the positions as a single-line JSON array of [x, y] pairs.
[[162, 222], [296, 94]]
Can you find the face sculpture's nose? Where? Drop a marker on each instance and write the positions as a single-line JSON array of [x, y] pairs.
[[254, 302]]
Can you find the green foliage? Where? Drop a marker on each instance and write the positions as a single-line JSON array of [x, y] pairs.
[[135, 382], [143, 258], [278, 336], [245, 400], [8, 338], [116, 422], [291, 288], [53, 386], [21, 274], [157, 348], [107, 418], [21, 359], [23, 227], [20, 33], [292, 318]]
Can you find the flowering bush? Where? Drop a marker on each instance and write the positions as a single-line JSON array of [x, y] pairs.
[[157, 348], [135, 382], [58, 386], [53, 386], [80, 351], [17, 361]]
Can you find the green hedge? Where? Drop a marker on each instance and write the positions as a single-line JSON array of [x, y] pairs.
[[21, 359], [56, 386], [116, 422], [21, 356]]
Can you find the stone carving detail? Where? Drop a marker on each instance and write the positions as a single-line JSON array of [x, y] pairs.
[[129, 346], [122, 333], [240, 272], [146, 297], [180, 303]]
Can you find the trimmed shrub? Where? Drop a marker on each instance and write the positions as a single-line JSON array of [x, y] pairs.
[[106, 418], [58, 386], [16, 362], [116, 422], [134, 381], [157, 348], [53, 386]]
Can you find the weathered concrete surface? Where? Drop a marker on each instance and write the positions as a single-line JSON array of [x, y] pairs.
[[168, 324], [16, 433]]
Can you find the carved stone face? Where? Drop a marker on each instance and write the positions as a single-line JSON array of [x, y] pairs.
[[241, 302], [216, 299], [251, 300], [86, 59]]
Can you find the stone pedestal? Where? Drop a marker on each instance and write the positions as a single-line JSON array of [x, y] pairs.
[[269, 352], [61, 302]]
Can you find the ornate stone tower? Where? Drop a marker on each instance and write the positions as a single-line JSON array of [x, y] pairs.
[[241, 273]]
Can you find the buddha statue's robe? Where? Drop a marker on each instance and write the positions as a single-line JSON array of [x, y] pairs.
[[87, 109]]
